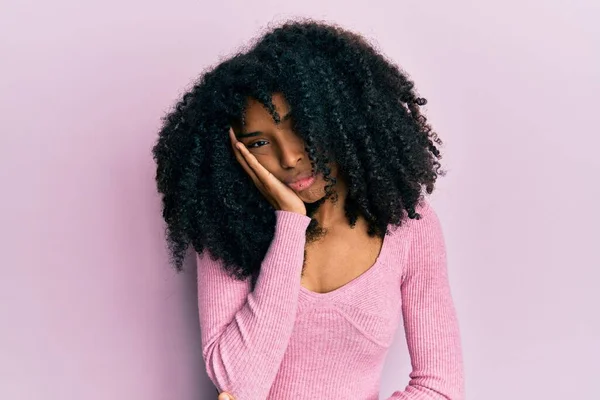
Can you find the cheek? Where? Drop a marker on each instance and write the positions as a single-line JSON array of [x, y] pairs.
[[267, 162], [320, 183]]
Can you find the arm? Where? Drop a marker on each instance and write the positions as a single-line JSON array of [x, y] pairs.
[[430, 321], [245, 333]]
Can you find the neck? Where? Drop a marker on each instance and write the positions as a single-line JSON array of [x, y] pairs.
[[329, 213]]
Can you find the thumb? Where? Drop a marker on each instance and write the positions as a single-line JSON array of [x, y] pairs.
[[225, 396]]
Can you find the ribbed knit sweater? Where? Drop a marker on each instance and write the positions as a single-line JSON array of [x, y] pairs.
[[282, 341]]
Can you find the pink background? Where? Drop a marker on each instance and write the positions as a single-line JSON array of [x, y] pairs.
[[90, 309]]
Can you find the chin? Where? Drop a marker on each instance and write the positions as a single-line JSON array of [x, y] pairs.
[[312, 196], [312, 200]]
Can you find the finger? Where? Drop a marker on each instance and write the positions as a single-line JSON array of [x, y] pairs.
[[234, 142], [232, 138], [261, 172], [236, 151], [241, 158], [245, 161], [263, 185]]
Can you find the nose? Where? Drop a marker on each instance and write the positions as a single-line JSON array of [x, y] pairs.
[[292, 153]]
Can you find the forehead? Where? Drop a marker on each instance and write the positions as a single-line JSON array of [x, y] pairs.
[[256, 111]]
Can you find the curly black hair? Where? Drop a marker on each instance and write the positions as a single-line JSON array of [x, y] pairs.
[[349, 104]]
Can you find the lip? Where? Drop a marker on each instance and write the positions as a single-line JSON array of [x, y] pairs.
[[303, 182]]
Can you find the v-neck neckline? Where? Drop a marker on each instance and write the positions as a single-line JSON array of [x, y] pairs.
[[347, 286]]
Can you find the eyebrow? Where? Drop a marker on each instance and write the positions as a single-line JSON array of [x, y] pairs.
[[257, 133]]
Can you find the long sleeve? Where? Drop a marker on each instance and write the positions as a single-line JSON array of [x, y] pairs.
[[430, 321], [246, 333]]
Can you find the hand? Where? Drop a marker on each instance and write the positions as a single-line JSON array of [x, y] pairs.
[[281, 196], [225, 396]]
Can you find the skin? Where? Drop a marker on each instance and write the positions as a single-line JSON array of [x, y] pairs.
[[278, 150], [271, 154]]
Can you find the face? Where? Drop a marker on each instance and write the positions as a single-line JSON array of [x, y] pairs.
[[279, 149]]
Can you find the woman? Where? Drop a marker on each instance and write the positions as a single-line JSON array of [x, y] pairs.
[[295, 170]]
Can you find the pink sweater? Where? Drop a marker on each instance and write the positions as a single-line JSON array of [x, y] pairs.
[[282, 341]]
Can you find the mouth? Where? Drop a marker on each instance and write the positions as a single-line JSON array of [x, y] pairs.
[[303, 183]]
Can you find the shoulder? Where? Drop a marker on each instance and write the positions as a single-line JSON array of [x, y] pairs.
[[417, 231], [426, 210], [427, 220], [427, 230], [419, 243]]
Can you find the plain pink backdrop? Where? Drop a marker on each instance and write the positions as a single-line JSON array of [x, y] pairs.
[[91, 310]]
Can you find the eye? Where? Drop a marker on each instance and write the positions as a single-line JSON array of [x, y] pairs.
[[253, 145]]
